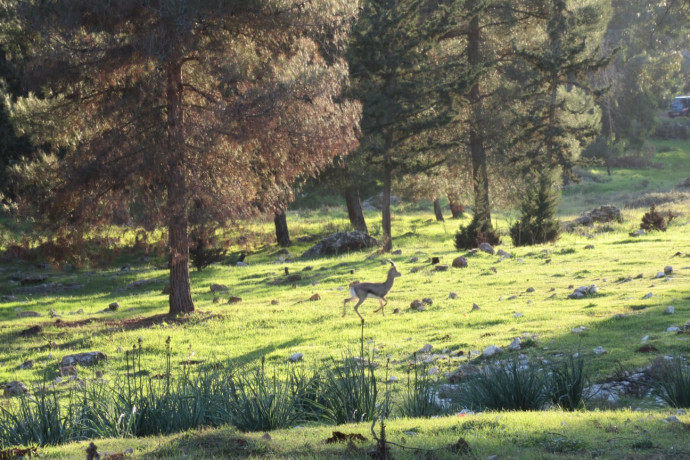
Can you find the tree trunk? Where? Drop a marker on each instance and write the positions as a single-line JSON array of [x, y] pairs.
[[282, 234], [480, 178], [438, 211], [386, 208], [354, 209], [456, 208], [180, 299]]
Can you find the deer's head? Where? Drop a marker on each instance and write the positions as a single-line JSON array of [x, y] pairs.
[[393, 271]]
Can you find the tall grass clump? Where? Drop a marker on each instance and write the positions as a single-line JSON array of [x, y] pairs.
[[506, 386], [567, 382], [672, 383], [420, 399], [349, 392]]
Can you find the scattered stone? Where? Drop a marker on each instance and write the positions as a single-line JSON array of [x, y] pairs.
[[493, 269], [415, 269], [453, 295], [293, 278], [636, 233], [512, 297], [518, 315], [639, 276], [8, 298], [583, 291], [315, 297], [241, 264], [435, 260], [516, 344], [413, 259], [491, 350], [274, 302], [125, 268], [599, 351], [28, 314], [504, 254], [659, 275], [426, 349], [460, 262], [441, 268], [307, 268], [83, 359], [296, 357], [53, 313], [427, 301], [114, 306], [486, 247], [219, 288], [668, 269], [340, 243], [33, 330], [579, 329], [530, 289], [33, 278], [28, 364], [648, 295], [589, 246], [673, 329], [669, 310], [475, 307], [216, 300], [234, 299], [433, 371], [397, 252], [396, 311], [14, 388]]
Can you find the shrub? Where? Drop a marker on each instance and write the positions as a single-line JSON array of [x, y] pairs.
[[475, 234], [654, 220], [672, 383], [567, 383], [537, 224], [204, 250], [349, 392], [420, 399], [510, 386]]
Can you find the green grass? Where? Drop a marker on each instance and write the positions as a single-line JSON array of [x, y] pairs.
[[617, 318]]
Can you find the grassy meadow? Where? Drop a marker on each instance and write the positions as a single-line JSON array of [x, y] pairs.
[[523, 296]]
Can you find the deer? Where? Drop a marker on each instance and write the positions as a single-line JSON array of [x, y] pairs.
[[363, 291]]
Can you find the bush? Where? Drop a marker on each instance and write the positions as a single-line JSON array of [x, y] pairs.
[[672, 383], [204, 249], [506, 387], [475, 234], [420, 400], [654, 220], [537, 224], [349, 392], [567, 384]]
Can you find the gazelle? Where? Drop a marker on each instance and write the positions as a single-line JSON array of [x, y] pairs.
[[363, 291]]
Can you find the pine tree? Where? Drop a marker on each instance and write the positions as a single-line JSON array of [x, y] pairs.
[[537, 224]]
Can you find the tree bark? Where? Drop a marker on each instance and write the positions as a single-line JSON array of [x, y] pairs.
[[282, 233], [480, 178], [354, 209], [456, 208], [438, 211], [180, 299], [386, 208]]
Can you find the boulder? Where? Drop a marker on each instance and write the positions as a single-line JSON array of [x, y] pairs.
[[491, 350], [83, 359], [14, 388], [114, 306], [486, 247], [296, 357], [340, 243], [460, 262], [602, 214]]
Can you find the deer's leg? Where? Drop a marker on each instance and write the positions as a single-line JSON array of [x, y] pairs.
[[382, 302], [345, 303], [361, 301]]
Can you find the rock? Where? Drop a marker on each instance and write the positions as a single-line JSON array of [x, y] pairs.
[[427, 301], [453, 295], [28, 314], [8, 298], [669, 310], [114, 306], [502, 253], [475, 307], [589, 246], [125, 268], [579, 329], [530, 289], [28, 364], [307, 268], [668, 269], [433, 371], [426, 349], [606, 214], [234, 299], [659, 275], [417, 305], [486, 247], [518, 315], [396, 311], [53, 313], [435, 260], [219, 288], [33, 330], [274, 302], [296, 357], [491, 350], [241, 264], [512, 297], [576, 295], [293, 278], [413, 260], [83, 359], [340, 243], [639, 276], [397, 252], [415, 269], [14, 388], [599, 351], [638, 232], [392, 379], [648, 295], [315, 297], [441, 268], [33, 278], [516, 344], [673, 329], [216, 300], [460, 262]]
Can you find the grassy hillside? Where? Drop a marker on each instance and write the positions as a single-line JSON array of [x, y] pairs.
[[523, 296]]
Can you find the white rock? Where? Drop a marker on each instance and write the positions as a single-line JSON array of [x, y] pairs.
[[392, 379], [242, 264], [669, 310], [426, 348], [673, 329], [645, 338], [516, 344], [433, 371], [599, 351], [579, 329], [486, 247], [648, 295], [659, 275], [518, 315], [296, 357], [491, 350]]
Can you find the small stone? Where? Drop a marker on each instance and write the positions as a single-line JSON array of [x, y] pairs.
[[460, 262], [241, 264], [28, 364], [491, 350], [14, 388], [396, 311], [475, 307], [648, 295], [441, 268], [512, 297], [672, 419], [589, 246], [83, 359], [216, 300], [274, 302], [516, 344], [502, 253], [219, 288], [433, 371], [668, 269], [669, 310], [397, 252], [296, 357], [28, 314], [392, 379], [659, 275], [315, 297], [579, 329], [427, 301], [639, 276], [639, 232], [486, 247], [234, 299], [453, 295], [673, 329], [413, 259], [435, 260], [415, 269], [114, 306], [426, 349], [8, 298], [599, 351], [518, 315], [307, 268], [530, 289], [576, 295], [415, 304]]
